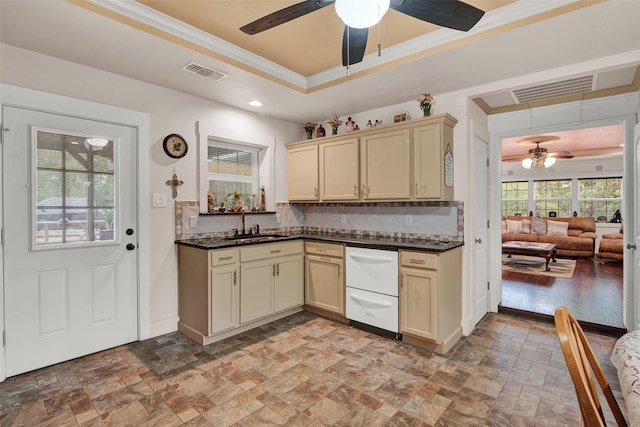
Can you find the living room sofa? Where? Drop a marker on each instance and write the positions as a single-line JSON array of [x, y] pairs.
[[573, 237], [611, 246]]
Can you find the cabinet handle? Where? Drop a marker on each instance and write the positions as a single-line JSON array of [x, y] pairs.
[[355, 190], [416, 261], [277, 269], [315, 191], [402, 281], [417, 193], [275, 251], [224, 258], [273, 268], [339, 270], [234, 278]]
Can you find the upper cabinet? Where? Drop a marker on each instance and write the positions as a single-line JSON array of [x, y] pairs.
[[302, 163], [339, 170], [385, 161], [404, 161]]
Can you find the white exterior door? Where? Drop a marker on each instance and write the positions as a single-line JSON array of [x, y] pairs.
[[480, 231], [70, 206]]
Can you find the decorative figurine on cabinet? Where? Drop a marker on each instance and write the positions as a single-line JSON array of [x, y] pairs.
[[369, 124], [349, 124], [320, 132]]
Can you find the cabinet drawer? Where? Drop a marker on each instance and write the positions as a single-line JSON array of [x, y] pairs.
[[326, 249], [270, 250], [223, 257], [419, 260]]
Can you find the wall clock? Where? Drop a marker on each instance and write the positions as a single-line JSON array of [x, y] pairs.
[[175, 146]]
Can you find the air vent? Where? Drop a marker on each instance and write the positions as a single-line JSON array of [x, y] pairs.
[[554, 90], [201, 70]]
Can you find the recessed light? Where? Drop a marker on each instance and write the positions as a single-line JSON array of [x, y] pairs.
[[255, 103]]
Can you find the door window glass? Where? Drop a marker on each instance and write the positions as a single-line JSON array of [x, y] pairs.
[[74, 189]]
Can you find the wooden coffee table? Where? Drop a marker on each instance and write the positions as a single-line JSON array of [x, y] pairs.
[[544, 250]]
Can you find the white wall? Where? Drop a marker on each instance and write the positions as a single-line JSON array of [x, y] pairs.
[[170, 112]]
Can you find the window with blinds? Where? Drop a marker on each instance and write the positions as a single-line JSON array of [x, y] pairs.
[[232, 168]]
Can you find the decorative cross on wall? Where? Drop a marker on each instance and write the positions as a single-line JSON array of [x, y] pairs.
[[174, 183]]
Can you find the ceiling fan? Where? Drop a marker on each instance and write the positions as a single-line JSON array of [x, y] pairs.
[[446, 13], [540, 156]]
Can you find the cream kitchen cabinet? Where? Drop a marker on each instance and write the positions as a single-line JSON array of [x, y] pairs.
[[271, 279], [339, 170], [385, 165], [324, 279], [430, 298], [433, 161], [208, 291], [302, 162], [226, 291], [403, 161]]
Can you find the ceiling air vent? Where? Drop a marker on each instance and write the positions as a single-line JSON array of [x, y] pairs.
[[554, 90], [201, 70]]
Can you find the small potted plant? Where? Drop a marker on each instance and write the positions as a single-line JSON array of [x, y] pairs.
[[335, 122], [222, 207], [235, 197]]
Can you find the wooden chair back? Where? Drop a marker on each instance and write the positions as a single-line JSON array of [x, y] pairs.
[[583, 364]]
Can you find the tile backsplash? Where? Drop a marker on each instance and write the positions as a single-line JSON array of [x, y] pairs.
[[433, 221]]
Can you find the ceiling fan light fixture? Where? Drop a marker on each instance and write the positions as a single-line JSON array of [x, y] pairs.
[[526, 163], [549, 161], [361, 13]]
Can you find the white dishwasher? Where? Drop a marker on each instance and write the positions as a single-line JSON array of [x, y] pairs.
[[372, 287]]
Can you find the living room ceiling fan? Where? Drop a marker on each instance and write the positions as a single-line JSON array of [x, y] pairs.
[[539, 156], [453, 14]]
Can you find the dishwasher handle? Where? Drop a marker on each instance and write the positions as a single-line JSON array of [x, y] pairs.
[[369, 302], [371, 259]]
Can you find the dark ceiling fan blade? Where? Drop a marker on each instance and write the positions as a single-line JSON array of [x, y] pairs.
[[354, 41], [446, 13], [284, 15]]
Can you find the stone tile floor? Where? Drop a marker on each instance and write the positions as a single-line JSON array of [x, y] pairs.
[[305, 370]]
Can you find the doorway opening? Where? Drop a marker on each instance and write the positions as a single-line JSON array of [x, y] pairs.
[[573, 201]]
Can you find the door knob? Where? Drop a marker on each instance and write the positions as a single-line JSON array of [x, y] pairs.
[[129, 231], [630, 246], [478, 240], [130, 246]]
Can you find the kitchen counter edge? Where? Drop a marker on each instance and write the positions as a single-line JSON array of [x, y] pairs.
[[424, 246]]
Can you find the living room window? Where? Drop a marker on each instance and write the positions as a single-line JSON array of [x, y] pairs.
[[232, 167], [515, 198], [600, 197], [552, 198]]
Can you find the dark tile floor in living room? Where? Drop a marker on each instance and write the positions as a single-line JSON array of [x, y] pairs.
[[594, 293], [305, 370]]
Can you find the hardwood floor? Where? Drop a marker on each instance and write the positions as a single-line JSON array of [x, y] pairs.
[[594, 293]]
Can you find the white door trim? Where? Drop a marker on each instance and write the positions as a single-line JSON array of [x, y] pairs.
[[32, 99]]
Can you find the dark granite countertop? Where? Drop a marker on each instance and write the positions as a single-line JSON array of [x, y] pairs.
[[387, 244]]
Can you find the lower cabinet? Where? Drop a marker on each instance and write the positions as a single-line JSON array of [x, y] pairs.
[[431, 298], [226, 291], [324, 279]]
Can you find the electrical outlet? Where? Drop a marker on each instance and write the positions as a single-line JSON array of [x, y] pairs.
[[408, 220], [193, 221], [343, 219]]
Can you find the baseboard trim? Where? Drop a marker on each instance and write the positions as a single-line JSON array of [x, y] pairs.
[[547, 318]]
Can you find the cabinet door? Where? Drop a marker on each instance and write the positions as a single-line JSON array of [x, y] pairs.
[[256, 281], [385, 165], [288, 285], [430, 144], [303, 173], [224, 293], [339, 171], [418, 303], [324, 283]]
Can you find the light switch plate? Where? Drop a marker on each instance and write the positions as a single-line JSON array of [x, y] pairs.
[[408, 220], [343, 219], [193, 221], [159, 200]]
